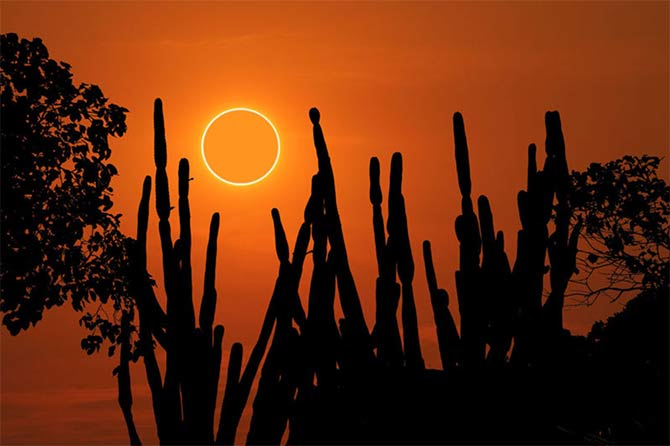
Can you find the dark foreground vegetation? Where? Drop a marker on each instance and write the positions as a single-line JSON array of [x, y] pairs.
[[511, 373]]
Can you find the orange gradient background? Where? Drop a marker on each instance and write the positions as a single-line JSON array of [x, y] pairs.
[[387, 77]]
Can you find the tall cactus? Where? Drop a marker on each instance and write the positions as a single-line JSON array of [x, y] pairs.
[[387, 290], [151, 322], [279, 375], [184, 401], [392, 255], [171, 413], [123, 378], [562, 245], [399, 241], [351, 305], [285, 302], [484, 287], [322, 337], [447, 334], [319, 337], [535, 206], [499, 307], [468, 277]]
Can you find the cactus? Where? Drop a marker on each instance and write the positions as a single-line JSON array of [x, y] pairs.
[[321, 333], [387, 290], [484, 286], [535, 205], [447, 334], [185, 239], [399, 241], [534, 211], [468, 277], [351, 305], [278, 381], [326, 383], [496, 287], [562, 245], [123, 378], [392, 255], [184, 401], [170, 398], [238, 387], [151, 322]]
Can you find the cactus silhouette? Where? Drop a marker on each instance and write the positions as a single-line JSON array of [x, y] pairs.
[[394, 255], [562, 244], [507, 376], [123, 378], [447, 333], [279, 375], [535, 205], [399, 242], [496, 287], [184, 401], [468, 276], [284, 305], [387, 292], [356, 327]]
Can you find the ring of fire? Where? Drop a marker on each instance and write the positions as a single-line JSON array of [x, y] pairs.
[[235, 183]]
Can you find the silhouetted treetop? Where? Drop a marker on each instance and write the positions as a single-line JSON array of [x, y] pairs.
[[625, 207], [60, 240]]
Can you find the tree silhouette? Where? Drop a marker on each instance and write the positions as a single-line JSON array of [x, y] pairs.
[[60, 239], [625, 207]]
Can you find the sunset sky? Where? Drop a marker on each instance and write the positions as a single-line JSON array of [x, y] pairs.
[[386, 77]]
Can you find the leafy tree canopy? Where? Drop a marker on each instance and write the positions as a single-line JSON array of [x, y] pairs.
[[60, 240], [625, 208]]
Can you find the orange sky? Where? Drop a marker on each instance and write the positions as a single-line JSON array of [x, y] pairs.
[[387, 77]]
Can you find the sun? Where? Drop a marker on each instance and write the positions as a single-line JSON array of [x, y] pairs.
[[243, 110]]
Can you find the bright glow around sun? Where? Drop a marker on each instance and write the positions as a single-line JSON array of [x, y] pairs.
[[247, 110]]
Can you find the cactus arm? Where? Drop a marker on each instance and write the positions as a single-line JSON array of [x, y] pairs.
[[186, 295], [238, 388], [163, 200], [397, 227], [208, 303], [213, 371], [204, 388], [377, 217], [447, 334], [351, 305], [496, 287], [297, 262], [170, 400], [123, 378], [387, 291], [462, 157], [562, 245], [468, 280], [281, 244], [275, 391], [145, 299], [229, 419], [321, 329]]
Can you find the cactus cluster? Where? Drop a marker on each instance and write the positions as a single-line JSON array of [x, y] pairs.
[[329, 381]]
